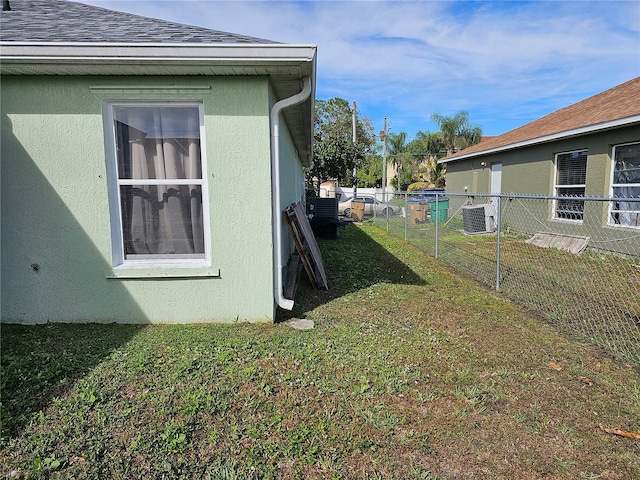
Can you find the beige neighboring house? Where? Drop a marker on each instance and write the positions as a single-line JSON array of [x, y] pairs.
[[591, 148]]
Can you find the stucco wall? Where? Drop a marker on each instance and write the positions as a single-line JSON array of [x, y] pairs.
[[292, 185], [56, 243]]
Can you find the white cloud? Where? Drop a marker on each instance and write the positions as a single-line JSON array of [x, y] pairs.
[[514, 60]]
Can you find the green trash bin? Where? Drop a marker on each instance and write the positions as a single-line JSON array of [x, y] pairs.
[[442, 213]]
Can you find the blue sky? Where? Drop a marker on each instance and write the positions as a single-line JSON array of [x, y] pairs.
[[506, 63]]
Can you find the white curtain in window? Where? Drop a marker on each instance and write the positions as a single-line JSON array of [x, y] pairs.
[[627, 212], [626, 184], [162, 218]]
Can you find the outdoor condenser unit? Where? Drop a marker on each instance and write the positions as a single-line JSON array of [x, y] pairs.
[[324, 207], [478, 219], [324, 222]]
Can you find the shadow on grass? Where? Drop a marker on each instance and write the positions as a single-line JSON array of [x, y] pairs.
[[50, 267], [353, 261], [40, 362]]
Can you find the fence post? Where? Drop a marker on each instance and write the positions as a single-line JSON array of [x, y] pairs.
[[406, 198], [437, 220], [498, 229], [387, 215]]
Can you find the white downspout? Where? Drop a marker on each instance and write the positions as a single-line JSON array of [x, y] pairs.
[[284, 303]]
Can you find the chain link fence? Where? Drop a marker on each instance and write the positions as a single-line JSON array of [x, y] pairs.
[[576, 261]]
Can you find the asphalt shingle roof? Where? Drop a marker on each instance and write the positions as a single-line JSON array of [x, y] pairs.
[[65, 21], [617, 103]]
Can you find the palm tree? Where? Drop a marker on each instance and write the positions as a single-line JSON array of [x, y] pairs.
[[437, 172], [426, 148], [426, 145], [396, 146], [457, 132], [397, 149]]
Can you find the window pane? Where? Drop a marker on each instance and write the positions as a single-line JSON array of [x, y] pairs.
[[626, 213], [572, 168], [570, 209], [627, 164], [160, 142], [630, 194], [162, 220]]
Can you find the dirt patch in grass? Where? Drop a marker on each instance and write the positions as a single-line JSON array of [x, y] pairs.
[[411, 371]]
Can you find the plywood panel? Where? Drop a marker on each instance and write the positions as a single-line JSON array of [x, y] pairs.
[[306, 245]]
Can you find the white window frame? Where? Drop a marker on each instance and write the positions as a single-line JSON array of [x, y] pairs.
[[171, 266], [557, 187], [612, 185]]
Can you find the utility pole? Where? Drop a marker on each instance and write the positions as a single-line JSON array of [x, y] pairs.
[[383, 138], [353, 126]]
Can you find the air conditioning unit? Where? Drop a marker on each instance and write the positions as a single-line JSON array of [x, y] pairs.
[[324, 221], [478, 219], [324, 207]]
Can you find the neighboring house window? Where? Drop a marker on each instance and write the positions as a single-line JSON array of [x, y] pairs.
[[625, 184], [571, 174], [158, 185]]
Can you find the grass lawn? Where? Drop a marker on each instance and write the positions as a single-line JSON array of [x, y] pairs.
[[411, 371], [594, 296]]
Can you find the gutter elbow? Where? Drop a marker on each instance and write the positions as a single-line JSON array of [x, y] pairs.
[[285, 303]]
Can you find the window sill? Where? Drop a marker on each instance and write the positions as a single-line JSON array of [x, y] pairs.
[[568, 220], [140, 273], [627, 227]]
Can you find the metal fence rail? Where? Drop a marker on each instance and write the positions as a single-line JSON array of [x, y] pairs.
[[575, 261]]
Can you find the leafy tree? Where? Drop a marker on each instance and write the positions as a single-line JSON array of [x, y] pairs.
[[369, 174], [457, 133], [403, 179], [335, 154], [334, 158]]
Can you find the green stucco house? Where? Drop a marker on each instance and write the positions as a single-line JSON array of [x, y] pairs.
[[589, 149], [145, 165]]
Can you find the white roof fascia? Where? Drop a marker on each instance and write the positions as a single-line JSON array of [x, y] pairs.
[[621, 122], [25, 53]]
